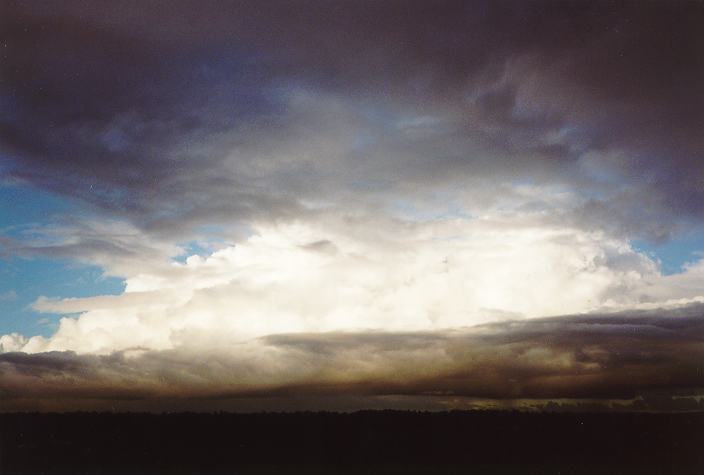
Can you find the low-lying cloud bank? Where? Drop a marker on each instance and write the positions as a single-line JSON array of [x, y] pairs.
[[640, 359]]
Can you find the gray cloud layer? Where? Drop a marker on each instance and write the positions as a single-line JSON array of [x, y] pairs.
[[172, 116], [637, 357]]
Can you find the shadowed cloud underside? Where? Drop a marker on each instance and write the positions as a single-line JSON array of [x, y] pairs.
[[641, 361]]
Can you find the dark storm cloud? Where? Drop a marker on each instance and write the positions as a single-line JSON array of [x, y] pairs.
[[174, 116], [105, 117], [637, 357]]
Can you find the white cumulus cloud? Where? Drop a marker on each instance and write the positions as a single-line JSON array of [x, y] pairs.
[[397, 276]]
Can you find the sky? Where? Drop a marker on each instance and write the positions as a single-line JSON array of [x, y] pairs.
[[345, 205]]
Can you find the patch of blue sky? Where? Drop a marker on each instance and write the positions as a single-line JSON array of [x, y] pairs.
[[194, 248], [22, 281], [21, 205], [212, 237], [674, 254]]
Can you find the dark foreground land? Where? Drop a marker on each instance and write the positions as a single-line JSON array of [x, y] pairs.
[[363, 442]]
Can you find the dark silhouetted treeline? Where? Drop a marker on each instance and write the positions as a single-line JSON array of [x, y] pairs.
[[362, 442]]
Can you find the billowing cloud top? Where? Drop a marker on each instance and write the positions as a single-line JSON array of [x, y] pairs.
[[358, 179]]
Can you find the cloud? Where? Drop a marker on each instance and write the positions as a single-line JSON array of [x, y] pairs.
[[616, 357], [116, 246], [393, 275], [388, 275], [12, 342], [364, 167], [355, 105], [8, 296]]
